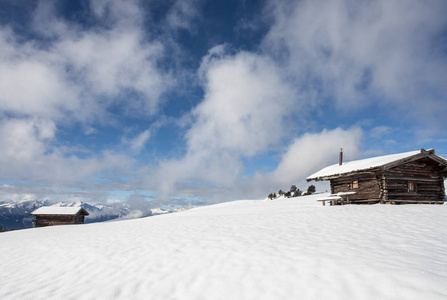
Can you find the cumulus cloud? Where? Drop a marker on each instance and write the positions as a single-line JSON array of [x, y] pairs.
[[113, 62], [366, 53], [243, 113], [245, 102], [28, 152], [80, 72], [32, 81], [313, 151], [24, 139], [303, 156], [71, 75]]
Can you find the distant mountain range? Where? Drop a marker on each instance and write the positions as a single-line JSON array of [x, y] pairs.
[[16, 215]]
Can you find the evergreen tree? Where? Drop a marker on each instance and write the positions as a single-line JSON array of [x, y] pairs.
[[293, 189], [311, 189], [297, 193]]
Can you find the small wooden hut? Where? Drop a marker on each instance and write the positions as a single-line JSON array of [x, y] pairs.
[[52, 215], [411, 177]]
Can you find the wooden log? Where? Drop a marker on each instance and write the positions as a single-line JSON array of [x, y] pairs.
[[405, 201], [410, 178]]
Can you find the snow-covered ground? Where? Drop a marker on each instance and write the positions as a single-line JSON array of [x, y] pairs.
[[281, 249]]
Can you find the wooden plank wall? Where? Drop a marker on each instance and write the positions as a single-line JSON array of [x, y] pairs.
[[369, 186], [426, 175], [79, 219], [49, 220]]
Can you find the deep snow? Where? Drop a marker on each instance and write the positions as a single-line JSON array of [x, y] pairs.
[[281, 249]]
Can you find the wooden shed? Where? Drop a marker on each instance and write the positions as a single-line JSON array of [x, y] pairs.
[[52, 215], [411, 177]]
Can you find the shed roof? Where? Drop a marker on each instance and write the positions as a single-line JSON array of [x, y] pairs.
[[380, 162], [57, 210]]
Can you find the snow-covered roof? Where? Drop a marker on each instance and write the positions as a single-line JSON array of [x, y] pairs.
[[372, 163], [57, 210]]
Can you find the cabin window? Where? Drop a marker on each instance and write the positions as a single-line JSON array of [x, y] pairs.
[[411, 186], [355, 184]]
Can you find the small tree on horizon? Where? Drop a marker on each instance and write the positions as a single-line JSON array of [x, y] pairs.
[[311, 189], [293, 189], [297, 193]]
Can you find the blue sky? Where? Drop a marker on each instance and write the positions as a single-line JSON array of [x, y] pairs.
[[195, 101]]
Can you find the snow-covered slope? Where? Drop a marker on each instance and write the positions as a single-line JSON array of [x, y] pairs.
[[281, 249]]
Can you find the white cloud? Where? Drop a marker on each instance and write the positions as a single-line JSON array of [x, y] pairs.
[[74, 75], [79, 73], [112, 62], [24, 140], [305, 155], [243, 113], [365, 53], [311, 152], [32, 81], [140, 140], [28, 153], [246, 100]]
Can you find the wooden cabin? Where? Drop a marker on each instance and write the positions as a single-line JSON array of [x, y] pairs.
[[411, 177], [52, 215]]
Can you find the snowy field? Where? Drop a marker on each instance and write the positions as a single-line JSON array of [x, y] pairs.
[[281, 249]]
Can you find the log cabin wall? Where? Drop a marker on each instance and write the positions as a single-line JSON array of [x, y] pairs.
[[368, 186], [426, 176], [79, 219], [49, 220]]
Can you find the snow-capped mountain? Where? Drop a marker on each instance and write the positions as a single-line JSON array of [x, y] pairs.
[[16, 215]]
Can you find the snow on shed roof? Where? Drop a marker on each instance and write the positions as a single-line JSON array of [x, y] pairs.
[[365, 164], [57, 210]]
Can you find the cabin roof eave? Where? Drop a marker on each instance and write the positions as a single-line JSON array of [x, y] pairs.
[[411, 157], [348, 174]]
